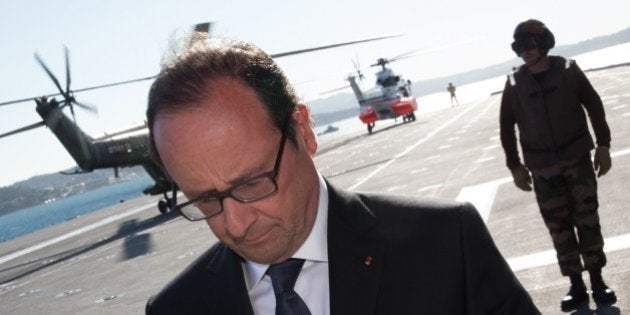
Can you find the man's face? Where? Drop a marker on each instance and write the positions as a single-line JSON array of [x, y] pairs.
[[530, 56], [229, 139], [528, 49]]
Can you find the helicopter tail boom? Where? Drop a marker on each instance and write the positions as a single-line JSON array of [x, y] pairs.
[[76, 142]]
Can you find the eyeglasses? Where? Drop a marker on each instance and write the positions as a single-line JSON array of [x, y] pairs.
[[211, 203], [522, 44]]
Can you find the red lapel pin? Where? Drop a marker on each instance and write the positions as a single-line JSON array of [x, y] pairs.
[[368, 261]]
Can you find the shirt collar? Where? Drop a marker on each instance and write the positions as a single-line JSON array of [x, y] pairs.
[[315, 248]]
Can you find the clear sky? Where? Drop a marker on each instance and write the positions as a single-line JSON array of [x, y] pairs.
[[116, 40]]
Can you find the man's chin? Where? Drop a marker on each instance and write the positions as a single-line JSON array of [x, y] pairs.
[[262, 255]]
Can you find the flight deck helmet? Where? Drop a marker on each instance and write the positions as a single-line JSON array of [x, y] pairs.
[[532, 34]]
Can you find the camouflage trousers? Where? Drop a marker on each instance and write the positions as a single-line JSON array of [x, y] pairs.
[[567, 197]]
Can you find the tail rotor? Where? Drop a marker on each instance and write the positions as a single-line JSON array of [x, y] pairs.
[[67, 93]]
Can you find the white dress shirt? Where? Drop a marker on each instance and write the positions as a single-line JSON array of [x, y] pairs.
[[312, 283]]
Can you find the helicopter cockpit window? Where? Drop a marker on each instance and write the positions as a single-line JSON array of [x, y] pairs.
[[389, 81]]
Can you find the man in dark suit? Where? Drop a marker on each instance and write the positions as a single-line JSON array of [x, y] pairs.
[[230, 131]]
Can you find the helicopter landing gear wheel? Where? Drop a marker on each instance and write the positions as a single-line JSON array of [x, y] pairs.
[[369, 127], [409, 117], [168, 204], [162, 206]]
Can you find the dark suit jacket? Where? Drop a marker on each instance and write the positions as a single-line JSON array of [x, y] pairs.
[[426, 257]]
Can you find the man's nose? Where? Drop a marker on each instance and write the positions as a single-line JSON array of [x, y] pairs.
[[238, 217]]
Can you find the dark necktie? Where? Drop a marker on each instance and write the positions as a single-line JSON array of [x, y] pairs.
[[283, 277]]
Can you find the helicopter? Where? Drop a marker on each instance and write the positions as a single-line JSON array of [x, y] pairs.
[[124, 148], [391, 97]]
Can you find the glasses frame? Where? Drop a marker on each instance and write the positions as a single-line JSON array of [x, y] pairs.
[[220, 196]]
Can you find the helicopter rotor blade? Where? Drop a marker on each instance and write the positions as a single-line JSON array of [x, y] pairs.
[[380, 62], [69, 104], [357, 67], [279, 55], [406, 54], [335, 89], [90, 108], [205, 27], [25, 128], [66, 53], [301, 51], [199, 34], [115, 84], [17, 101], [417, 52], [198, 27], [82, 90], [50, 74]]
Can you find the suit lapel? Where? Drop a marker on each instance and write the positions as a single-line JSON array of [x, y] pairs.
[[227, 283], [355, 257]]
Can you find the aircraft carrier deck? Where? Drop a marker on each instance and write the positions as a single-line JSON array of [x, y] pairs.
[[111, 261]]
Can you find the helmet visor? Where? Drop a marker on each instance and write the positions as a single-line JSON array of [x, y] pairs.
[[524, 43]]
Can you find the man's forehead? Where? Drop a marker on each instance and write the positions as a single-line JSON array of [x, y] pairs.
[[222, 96], [227, 93]]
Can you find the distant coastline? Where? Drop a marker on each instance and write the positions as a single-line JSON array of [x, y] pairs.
[[53, 187], [343, 103], [27, 220]]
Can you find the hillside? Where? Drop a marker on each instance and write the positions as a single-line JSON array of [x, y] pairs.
[[49, 187]]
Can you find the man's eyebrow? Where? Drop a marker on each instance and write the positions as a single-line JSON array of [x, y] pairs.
[[249, 174], [241, 179]]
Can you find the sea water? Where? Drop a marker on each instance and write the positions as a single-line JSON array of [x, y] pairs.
[[27, 220]]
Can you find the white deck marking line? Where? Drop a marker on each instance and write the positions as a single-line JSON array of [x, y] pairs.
[[482, 197], [80, 231], [619, 153], [421, 141], [548, 257], [425, 188]]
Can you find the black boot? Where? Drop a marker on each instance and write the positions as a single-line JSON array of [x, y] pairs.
[[576, 296], [602, 294]]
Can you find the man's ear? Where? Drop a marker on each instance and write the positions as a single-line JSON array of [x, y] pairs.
[[304, 128]]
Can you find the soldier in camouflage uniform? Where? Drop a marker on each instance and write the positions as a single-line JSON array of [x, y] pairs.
[[567, 196], [546, 99]]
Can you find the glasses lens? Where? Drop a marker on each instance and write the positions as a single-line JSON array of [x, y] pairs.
[[202, 209], [254, 190]]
